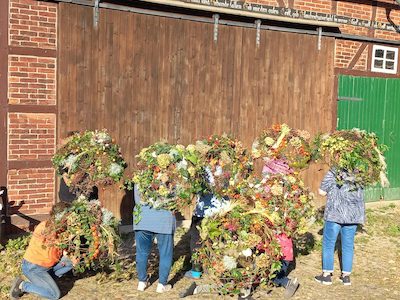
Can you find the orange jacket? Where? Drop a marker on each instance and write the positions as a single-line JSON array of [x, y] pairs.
[[38, 253]]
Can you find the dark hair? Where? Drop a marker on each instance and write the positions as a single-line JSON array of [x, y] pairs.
[[58, 207]]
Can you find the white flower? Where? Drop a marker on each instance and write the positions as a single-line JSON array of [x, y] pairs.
[[255, 145], [218, 171], [107, 216], [82, 198], [173, 152], [247, 252], [217, 206], [229, 262], [115, 169], [59, 215], [95, 203], [102, 137], [154, 154], [71, 159], [182, 164], [191, 148], [269, 141], [210, 176]]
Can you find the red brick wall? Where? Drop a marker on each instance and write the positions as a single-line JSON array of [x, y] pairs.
[[33, 24], [32, 91], [345, 50], [324, 6], [31, 191], [31, 136], [354, 10], [32, 80]]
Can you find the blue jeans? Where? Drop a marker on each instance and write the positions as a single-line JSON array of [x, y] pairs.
[[331, 232], [40, 281], [144, 241], [281, 277]]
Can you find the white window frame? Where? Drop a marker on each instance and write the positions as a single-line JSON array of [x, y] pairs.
[[384, 59]]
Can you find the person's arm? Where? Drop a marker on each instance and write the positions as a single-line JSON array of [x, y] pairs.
[[321, 192], [136, 194], [328, 183], [66, 178]]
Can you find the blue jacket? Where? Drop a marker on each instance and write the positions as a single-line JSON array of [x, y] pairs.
[[344, 204], [153, 220]]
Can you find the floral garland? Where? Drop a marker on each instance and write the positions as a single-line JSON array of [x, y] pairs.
[[90, 159], [87, 232], [286, 201], [167, 176], [226, 163], [282, 142], [356, 155], [239, 249]]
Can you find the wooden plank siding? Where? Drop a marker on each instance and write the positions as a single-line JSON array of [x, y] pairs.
[[147, 78]]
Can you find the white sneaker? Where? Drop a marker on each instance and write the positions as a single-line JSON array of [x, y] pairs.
[[142, 285], [163, 288]]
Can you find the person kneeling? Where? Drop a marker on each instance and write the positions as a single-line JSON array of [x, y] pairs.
[[40, 263], [281, 279]]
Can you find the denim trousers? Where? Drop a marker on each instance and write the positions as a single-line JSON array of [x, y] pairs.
[[281, 276], [144, 241], [331, 232], [40, 279]]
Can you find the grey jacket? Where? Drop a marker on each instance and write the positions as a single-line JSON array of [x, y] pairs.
[[345, 204], [153, 220]]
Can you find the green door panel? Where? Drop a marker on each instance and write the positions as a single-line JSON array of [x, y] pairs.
[[373, 104]]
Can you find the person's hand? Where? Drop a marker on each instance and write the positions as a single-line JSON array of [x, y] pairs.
[[74, 261], [66, 178]]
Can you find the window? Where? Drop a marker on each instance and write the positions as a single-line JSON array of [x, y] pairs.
[[384, 59]]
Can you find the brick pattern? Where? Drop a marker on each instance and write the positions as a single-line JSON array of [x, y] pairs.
[[354, 10], [32, 80], [31, 136], [344, 52], [382, 15], [388, 35], [33, 24], [322, 6], [362, 63], [31, 191]]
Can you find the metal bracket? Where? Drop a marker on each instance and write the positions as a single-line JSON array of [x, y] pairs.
[[319, 30], [216, 19], [258, 32], [96, 13], [349, 99]]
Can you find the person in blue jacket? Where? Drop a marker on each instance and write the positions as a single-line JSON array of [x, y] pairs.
[[150, 223]]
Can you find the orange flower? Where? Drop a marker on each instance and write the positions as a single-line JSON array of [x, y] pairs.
[[276, 127]]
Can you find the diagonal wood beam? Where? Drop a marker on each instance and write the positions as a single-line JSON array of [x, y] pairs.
[[357, 55]]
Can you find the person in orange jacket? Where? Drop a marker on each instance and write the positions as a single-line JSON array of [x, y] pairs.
[[41, 263]]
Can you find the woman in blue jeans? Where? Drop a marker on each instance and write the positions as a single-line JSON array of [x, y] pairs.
[[42, 263], [153, 223], [344, 210]]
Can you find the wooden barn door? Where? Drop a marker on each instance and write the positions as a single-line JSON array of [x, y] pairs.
[[147, 78]]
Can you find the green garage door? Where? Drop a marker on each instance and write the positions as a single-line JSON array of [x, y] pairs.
[[373, 104]]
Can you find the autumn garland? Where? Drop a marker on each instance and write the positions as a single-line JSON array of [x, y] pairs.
[[89, 159], [356, 156]]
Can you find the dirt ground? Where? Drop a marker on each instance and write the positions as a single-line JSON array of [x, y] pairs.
[[376, 272]]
